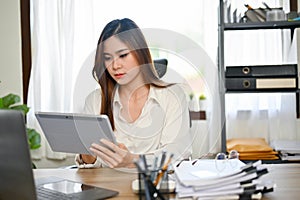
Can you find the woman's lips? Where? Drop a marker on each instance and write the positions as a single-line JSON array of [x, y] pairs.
[[119, 75]]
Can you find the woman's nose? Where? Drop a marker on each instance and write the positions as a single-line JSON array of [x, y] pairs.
[[116, 64]]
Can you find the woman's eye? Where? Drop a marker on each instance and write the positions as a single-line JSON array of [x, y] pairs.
[[123, 55], [107, 58]]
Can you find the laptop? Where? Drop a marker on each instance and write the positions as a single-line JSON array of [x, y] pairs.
[[16, 175]]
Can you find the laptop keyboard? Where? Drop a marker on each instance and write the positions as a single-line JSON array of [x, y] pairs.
[[44, 194]]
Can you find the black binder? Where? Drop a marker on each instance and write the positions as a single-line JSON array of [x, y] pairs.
[[289, 70], [250, 83]]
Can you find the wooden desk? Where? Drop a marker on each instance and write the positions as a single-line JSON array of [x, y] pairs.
[[286, 177], [101, 177]]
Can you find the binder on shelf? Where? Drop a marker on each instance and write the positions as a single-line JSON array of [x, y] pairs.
[[288, 70], [260, 83]]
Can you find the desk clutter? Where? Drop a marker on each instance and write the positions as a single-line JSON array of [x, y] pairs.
[[205, 179], [288, 150], [264, 13], [252, 149], [153, 182]]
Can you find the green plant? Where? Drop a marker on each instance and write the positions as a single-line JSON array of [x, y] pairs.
[[202, 97], [11, 101]]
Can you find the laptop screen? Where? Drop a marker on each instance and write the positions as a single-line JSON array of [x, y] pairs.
[[16, 175], [15, 167]]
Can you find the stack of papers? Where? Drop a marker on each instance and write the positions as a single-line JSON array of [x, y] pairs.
[[288, 149], [229, 179], [252, 148]]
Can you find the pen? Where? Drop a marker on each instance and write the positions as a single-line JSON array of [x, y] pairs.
[[164, 169], [144, 176], [163, 158], [154, 168], [143, 157]]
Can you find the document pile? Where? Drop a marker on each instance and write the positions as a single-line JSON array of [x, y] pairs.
[[252, 148], [221, 179], [288, 149]]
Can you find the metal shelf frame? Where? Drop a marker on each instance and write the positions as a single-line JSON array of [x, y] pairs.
[[222, 27]]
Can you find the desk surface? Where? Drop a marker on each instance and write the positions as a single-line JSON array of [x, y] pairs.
[[286, 177]]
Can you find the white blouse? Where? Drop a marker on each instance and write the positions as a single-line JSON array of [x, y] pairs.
[[162, 125]]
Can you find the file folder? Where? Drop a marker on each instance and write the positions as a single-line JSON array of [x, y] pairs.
[[260, 83], [271, 71]]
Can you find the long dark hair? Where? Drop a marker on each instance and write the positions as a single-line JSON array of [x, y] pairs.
[[130, 34]]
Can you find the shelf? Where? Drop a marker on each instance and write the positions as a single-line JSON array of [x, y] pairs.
[[279, 161], [222, 28], [200, 115], [262, 25], [265, 91]]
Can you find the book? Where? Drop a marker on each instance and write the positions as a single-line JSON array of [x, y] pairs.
[[272, 71], [260, 83]]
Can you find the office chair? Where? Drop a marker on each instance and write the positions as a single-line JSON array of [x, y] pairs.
[[161, 66]]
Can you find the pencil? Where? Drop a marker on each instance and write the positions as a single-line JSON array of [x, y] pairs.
[[163, 170]]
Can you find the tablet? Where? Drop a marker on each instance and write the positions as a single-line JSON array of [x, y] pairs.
[[73, 132], [60, 188]]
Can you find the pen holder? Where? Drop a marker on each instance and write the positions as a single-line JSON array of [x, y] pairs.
[[150, 189]]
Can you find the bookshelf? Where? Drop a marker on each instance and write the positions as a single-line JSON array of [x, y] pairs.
[[222, 27]]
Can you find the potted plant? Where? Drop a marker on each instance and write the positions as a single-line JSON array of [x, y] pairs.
[[11, 101]]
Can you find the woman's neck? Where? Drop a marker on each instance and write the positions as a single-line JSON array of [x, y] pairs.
[[133, 101], [134, 93]]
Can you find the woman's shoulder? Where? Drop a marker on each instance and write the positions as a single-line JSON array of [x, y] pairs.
[[93, 102], [172, 88], [172, 91], [95, 94]]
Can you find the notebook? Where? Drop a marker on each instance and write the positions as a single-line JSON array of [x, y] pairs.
[[16, 175]]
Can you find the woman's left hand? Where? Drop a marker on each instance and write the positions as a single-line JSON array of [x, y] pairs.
[[114, 155]]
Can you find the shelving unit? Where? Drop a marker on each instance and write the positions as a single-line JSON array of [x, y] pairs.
[[222, 27]]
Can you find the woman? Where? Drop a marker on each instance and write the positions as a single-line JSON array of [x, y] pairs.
[[147, 115]]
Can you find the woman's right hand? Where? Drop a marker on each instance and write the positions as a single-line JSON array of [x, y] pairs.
[[114, 155]]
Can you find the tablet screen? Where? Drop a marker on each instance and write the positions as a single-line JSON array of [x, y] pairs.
[[74, 133]]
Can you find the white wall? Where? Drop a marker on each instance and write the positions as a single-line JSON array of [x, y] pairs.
[[10, 48]]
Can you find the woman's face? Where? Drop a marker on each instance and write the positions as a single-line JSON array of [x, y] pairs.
[[120, 61]]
